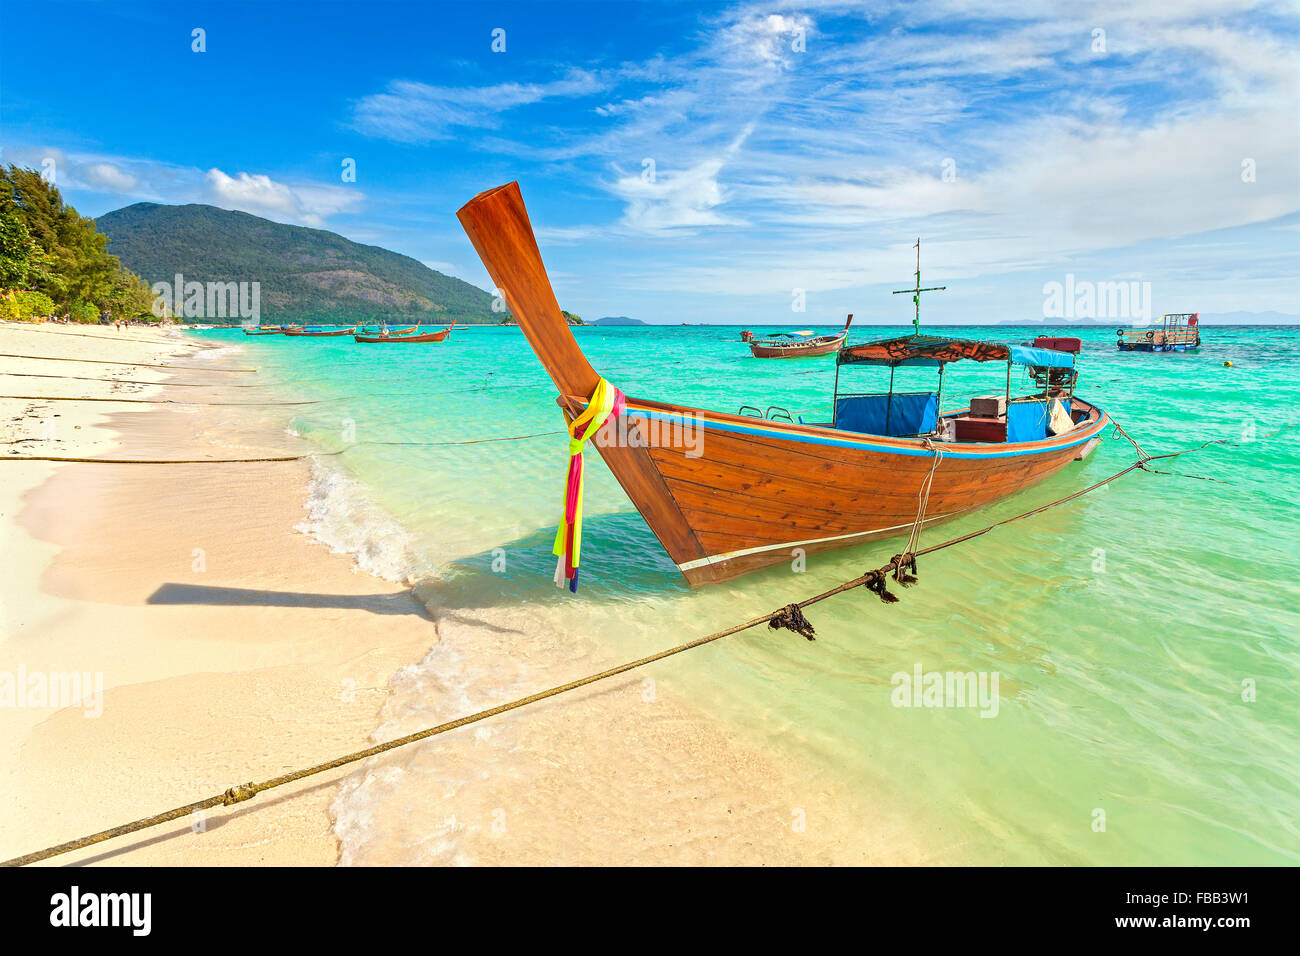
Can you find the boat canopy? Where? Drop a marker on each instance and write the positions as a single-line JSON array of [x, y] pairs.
[[931, 350]]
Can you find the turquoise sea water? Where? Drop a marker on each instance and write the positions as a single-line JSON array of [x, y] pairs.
[[1126, 628]]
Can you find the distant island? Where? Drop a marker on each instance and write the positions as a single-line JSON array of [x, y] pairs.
[[617, 320], [568, 317], [302, 273]]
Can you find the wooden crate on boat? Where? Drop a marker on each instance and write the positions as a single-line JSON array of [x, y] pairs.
[[977, 428], [988, 406]]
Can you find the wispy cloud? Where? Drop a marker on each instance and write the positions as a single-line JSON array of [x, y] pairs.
[[1025, 137], [412, 112]]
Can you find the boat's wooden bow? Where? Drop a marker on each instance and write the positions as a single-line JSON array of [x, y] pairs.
[[497, 223]]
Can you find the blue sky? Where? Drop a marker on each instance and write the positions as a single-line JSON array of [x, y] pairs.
[[702, 162]]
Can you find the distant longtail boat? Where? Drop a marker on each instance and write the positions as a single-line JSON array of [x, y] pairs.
[[412, 335], [785, 345], [319, 333]]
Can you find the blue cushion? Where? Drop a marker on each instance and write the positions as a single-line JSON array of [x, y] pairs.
[[909, 413], [1026, 421]]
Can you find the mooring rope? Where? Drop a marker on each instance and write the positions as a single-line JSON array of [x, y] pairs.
[[130, 381], [923, 498], [189, 368], [160, 401], [165, 461], [790, 617], [234, 461], [110, 338]]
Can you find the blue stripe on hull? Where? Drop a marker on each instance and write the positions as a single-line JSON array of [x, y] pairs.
[[950, 450]]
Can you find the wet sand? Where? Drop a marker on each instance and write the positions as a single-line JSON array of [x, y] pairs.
[[234, 648]]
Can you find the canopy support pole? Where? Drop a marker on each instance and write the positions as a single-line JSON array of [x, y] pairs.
[[835, 396], [889, 402], [939, 398]]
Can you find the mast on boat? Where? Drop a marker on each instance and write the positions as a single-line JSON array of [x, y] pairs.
[[917, 290]]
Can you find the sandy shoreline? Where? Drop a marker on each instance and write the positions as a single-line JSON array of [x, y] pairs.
[[234, 648]]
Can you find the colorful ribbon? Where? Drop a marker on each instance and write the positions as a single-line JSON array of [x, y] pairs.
[[605, 401]]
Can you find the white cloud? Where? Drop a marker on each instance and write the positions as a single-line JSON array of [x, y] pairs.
[[259, 194], [673, 200], [107, 177]]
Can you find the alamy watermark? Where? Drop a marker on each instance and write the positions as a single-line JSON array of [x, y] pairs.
[[920, 688], [637, 430], [207, 300], [1075, 299], [53, 689]]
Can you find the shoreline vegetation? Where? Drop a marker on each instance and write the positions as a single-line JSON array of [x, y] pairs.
[[54, 263]]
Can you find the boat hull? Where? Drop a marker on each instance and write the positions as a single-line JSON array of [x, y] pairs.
[[1159, 347], [263, 331], [438, 336], [762, 349], [726, 495], [320, 335]]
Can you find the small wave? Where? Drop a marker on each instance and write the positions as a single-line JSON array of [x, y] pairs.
[[430, 792], [342, 515]]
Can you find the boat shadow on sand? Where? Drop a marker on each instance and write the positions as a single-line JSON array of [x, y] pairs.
[[398, 602], [620, 558]]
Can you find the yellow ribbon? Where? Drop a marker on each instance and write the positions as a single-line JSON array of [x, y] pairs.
[[581, 429]]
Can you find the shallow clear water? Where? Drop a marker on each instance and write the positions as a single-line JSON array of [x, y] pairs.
[[1124, 627]]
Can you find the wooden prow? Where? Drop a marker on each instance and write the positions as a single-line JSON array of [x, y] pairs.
[[497, 223], [849, 322]]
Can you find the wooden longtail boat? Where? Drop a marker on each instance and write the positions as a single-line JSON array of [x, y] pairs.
[[409, 336], [385, 330], [319, 333], [273, 330], [786, 345], [1176, 333], [728, 494]]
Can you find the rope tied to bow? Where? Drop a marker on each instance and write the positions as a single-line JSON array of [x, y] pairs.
[[905, 569], [605, 402]]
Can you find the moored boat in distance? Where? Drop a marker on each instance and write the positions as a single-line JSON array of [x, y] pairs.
[[385, 330], [1177, 332], [409, 336], [269, 330], [318, 332], [727, 494], [804, 344]]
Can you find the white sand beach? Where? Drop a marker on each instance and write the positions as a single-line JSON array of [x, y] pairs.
[[233, 648]]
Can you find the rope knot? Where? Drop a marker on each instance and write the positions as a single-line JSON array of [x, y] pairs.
[[791, 618], [238, 794], [905, 568], [876, 583]]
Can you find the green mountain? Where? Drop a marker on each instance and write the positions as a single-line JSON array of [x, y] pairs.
[[304, 274]]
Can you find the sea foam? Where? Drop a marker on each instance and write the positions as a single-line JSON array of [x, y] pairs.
[[342, 514]]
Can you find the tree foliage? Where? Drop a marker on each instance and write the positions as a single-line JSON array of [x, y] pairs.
[[25, 304], [46, 246]]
